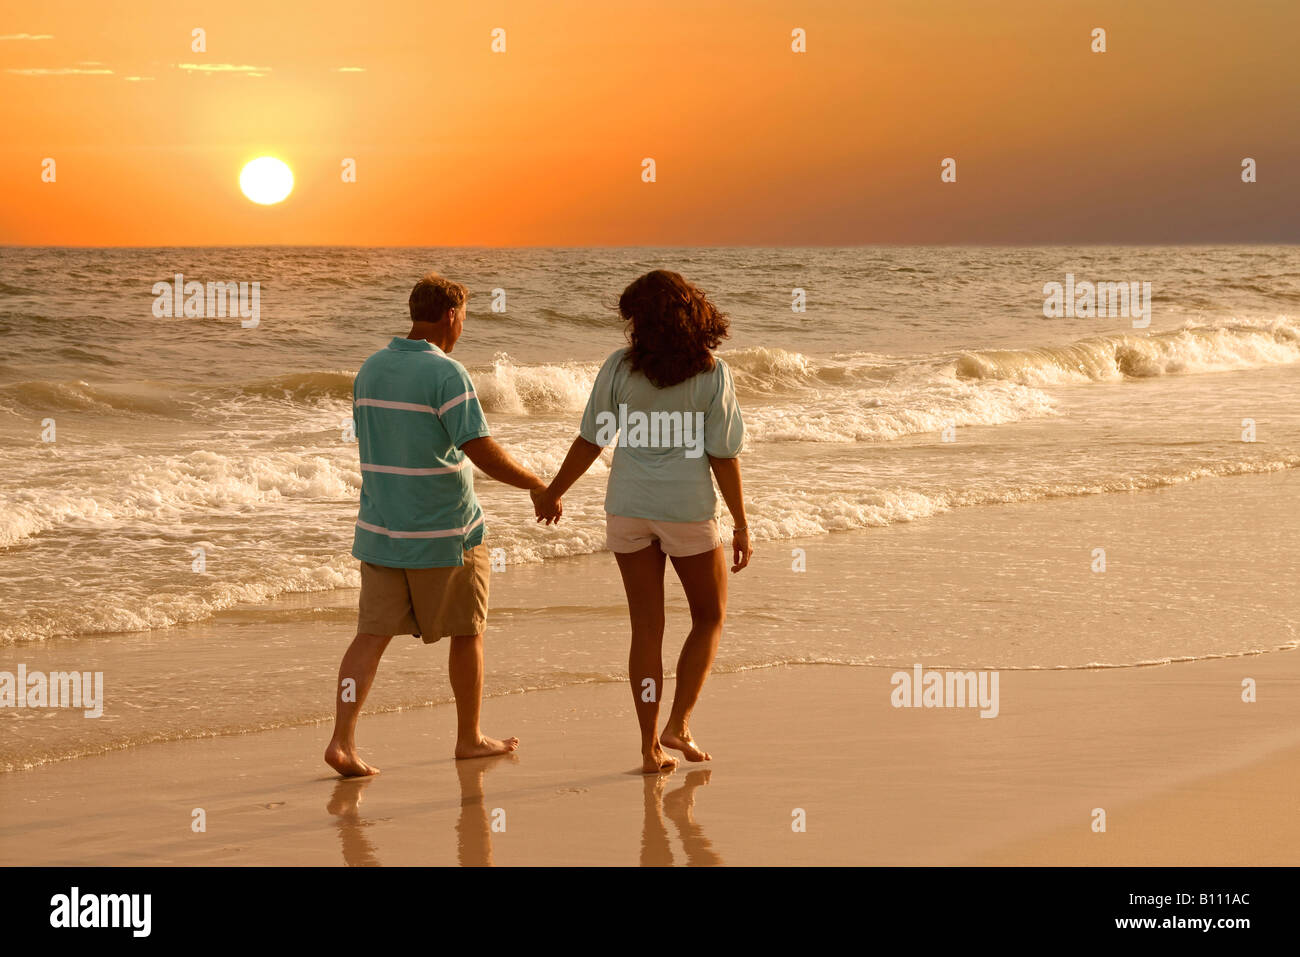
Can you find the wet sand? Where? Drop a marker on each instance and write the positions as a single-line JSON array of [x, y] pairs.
[[1187, 774]]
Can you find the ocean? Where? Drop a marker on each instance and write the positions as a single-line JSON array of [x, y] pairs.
[[179, 493]]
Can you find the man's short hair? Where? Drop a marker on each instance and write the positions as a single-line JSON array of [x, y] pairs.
[[433, 296]]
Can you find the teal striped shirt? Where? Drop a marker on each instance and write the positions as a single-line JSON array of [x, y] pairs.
[[414, 407]]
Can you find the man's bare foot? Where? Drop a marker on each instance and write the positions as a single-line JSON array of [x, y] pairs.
[[684, 743], [656, 760], [485, 747], [347, 762]]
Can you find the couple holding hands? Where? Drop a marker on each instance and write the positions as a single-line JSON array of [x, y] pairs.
[[670, 406]]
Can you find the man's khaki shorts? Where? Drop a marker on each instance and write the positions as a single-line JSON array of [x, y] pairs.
[[426, 602]]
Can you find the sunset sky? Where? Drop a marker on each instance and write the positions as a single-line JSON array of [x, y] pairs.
[[754, 144]]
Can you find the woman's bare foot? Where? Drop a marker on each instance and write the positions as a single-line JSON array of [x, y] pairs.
[[683, 742], [656, 760], [484, 747], [347, 762]]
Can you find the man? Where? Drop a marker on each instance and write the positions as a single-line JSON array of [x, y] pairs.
[[419, 535]]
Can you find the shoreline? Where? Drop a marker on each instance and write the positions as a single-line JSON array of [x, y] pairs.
[[1005, 587]]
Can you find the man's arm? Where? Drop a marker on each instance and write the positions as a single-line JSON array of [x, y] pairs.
[[496, 463]]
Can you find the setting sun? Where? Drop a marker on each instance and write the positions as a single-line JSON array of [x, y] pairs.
[[266, 180]]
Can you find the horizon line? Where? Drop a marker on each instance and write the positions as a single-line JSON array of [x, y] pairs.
[[865, 245]]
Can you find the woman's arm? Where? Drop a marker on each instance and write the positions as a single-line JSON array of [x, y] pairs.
[[728, 475], [581, 455]]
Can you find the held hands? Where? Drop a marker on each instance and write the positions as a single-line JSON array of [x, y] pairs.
[[547, 507], [741, 549]]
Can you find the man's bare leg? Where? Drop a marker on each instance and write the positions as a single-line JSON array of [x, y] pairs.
[[465, 665], [360, 662], [704, 579], [643, 580]]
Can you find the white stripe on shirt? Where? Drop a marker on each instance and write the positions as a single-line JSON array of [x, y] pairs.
[[452, 403], [440, 533], [415, 407], [406, 406], [399, 470]]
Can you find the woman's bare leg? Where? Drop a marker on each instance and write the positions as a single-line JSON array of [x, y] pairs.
[[704, 579], [643, 581]]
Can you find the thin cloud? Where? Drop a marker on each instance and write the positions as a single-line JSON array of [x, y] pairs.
[[347, 69], [224, 68], [59, 71], [136, 79], [27, 36]]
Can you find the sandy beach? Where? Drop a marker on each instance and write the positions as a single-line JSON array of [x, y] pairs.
[[1187, 774], [1186, 771]]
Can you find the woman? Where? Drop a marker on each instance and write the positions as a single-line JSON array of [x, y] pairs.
[[672, 405]]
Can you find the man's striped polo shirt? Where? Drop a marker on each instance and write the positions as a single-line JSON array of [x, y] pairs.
[[414, 407]]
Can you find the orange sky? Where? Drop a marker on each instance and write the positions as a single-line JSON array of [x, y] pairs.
[[754, 144]]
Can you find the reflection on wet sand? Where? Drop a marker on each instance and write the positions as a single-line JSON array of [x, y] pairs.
[[344, 804], [679, 806], [474, 829], [474, 825]]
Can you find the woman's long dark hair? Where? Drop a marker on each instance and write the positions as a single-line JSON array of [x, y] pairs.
[[673, 328]]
